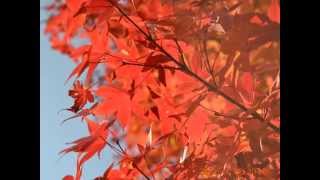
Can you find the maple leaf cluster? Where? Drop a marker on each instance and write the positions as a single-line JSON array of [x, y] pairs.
[[190, 88]]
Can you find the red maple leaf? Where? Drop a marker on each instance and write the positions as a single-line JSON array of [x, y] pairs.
[[81, 96], [88, 146]]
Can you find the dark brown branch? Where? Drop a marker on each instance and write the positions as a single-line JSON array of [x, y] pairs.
[[121, 151], [222, 115], [184, 68], [180, 52], [152, 66], [115, 149], [133, 163], [210, 68], [135, 166], [119, 145], [134, 59]]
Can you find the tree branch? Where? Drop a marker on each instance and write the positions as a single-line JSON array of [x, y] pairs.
[[220, 114], [121, 151], [152, 66], [144, 175], [186, 70]]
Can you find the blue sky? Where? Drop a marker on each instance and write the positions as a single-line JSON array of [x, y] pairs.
[[54, 69]]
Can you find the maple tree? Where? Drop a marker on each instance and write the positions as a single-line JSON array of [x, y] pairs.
[[190, 88]]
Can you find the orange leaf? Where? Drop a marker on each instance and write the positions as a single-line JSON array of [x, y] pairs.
[[155, 60], [274, 11], [81, 96]]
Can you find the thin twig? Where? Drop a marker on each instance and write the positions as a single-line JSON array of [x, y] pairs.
[[220, 114], [180, 51], [210, 68], [119, 145], [115, 149], [135, 166], [146, 65], [128, 59], [121, 151]]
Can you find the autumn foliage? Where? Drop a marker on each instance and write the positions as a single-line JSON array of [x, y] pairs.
[[189, 89]]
